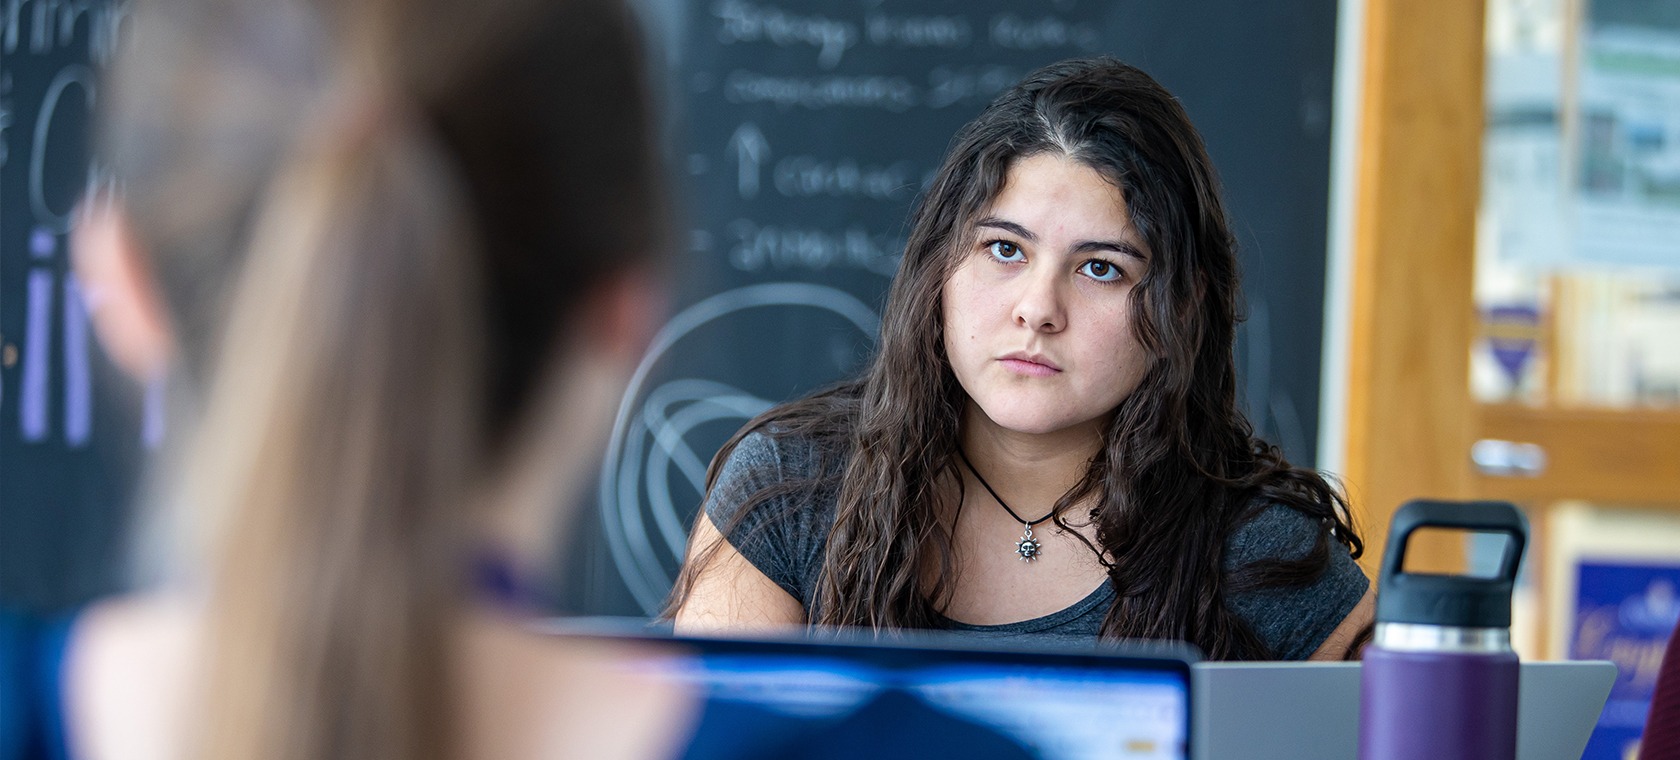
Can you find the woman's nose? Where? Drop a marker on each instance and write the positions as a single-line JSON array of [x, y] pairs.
[[1040, 306]]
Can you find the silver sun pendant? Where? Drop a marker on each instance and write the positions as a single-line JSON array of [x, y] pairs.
[[1028, 548]]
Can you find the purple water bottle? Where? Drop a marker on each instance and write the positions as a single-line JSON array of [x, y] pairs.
[[1439, 679]]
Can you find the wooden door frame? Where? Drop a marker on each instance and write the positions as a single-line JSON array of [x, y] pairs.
[[1408, 412]]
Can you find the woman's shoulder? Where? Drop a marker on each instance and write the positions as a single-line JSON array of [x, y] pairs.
[[1271, 530], [128, 671], [775, 502], [797, 442], [770, 460], [133, 663], [1290, 607], [768, 453]]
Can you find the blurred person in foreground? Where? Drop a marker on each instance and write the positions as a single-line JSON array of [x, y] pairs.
[[405, 253]]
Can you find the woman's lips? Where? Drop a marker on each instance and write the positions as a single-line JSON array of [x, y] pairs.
[[1031, 366]]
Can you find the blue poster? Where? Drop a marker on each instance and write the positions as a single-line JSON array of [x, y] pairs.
[[1624, 613]]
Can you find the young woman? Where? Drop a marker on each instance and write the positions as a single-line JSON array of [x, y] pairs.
[[439, 224], [1047, 442]]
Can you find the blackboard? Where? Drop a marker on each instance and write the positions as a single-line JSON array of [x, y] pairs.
[[70, 432], [806, 130]]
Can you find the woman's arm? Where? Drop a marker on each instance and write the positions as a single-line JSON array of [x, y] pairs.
[[1335, 646], [729, 594]]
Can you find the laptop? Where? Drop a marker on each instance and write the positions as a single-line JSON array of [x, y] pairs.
[[1130, 701], [1310, 710], [926, 695]]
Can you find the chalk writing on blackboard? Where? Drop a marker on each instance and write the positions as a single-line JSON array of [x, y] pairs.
[[746, 22], [750, 150], [806, 176], [70, 78], [947, 32], [771, 247], [892, 93], [43, 44]]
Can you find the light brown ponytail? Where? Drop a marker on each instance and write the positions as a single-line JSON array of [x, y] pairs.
[[336, 435], [407, 273]]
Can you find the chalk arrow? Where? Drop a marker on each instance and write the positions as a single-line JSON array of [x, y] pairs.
[[750, 149]]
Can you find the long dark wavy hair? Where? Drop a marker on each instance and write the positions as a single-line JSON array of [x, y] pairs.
[[1180, 468]]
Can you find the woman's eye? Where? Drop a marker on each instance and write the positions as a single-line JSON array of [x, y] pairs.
[[1100, 270], [1003, 251]]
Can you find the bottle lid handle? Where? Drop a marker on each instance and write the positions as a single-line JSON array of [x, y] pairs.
[[1453, 600]]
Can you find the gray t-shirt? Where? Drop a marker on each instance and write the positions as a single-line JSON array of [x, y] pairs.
[[1292, 622]]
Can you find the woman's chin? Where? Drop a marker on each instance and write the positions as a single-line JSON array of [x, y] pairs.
[[1028, 420]]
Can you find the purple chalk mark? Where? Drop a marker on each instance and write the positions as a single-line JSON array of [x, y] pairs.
[[78, 379], [37, 352], [152, 420], [42, 243]]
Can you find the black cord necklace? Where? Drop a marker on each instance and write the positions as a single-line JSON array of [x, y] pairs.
[[1028, 548]]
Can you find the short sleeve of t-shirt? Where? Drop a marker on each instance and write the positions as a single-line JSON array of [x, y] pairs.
[[1293, 622], [783, 535]]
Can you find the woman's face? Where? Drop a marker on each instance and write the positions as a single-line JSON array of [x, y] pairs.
[[1037, 314]]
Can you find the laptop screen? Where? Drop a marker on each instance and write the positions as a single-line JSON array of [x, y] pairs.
[[1041, 705]]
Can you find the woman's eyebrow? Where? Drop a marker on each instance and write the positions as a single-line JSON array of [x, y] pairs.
[[1007, 226], [1118, 246]]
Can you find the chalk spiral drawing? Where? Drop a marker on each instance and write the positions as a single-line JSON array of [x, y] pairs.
[[648, 440]]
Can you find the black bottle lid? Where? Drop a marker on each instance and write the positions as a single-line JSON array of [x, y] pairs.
[[1451, 600]]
